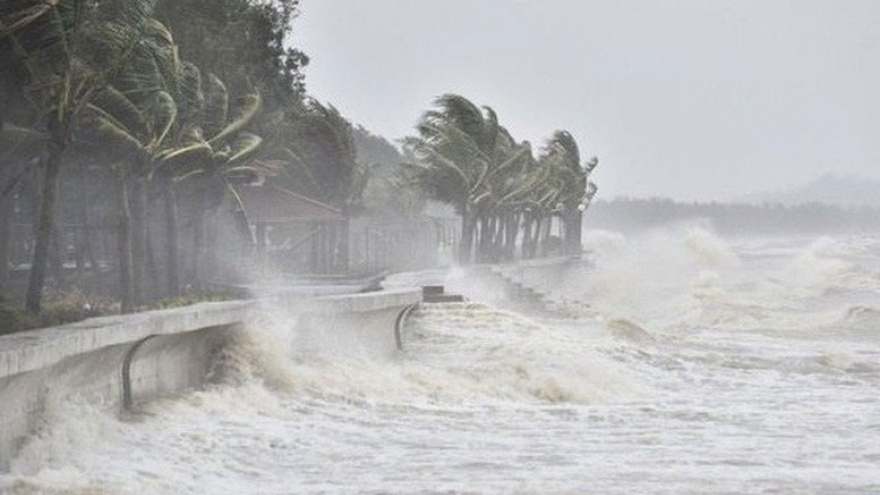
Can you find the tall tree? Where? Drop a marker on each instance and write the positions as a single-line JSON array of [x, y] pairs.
[[141, 115], [461, 149], [323, 163], [67, 48], [562, 156], [248, 45], [215, 154]]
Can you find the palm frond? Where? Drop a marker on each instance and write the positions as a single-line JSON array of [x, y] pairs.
[[111, 131], [194, 153], [244, 146], [247, 110], [164, 116], [190, 98], [123, 111], [216, 104]]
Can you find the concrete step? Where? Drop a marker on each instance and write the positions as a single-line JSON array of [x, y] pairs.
[[443, 298], [437, 294]]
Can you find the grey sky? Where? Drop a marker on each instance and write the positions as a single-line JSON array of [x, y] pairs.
[[690, 99]]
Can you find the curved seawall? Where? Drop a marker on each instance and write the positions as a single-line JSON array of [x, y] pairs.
[[120, 360]]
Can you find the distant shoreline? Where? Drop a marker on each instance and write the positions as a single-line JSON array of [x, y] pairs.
[[625, 214]]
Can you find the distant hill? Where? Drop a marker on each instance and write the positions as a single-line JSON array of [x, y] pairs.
[[849, 191]]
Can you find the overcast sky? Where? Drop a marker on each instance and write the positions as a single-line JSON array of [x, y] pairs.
[[692, 99]]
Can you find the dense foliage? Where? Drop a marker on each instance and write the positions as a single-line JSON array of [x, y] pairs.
[[130, 130], [467, 159], [171, 105]]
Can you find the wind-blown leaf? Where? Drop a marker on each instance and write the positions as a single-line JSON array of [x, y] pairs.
[[248, 108], [164, 117], [113, 131], [195, 153], [243, 147], [15, 21], [14, 139], [191, 99], [216, 104], [126, 114]]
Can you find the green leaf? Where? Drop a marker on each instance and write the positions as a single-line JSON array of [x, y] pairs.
[[247, 109], [164, 117], [123, 111], [216, 104], [244, 146]]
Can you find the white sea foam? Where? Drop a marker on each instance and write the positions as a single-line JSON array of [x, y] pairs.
[[703, 366], [600, 243]]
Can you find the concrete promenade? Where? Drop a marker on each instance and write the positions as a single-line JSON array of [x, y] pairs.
[[116, 361]]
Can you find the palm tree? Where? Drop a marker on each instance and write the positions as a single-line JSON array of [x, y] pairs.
[[513, 191], [213, 153], [66, 48], [19, 146], [323, 163], [461, 149], [175, 125], [138, 114], [570, 179], [132, 141], [537, 207]]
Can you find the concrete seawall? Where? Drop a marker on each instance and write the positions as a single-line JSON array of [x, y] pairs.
[[528, 286], [116, 361]]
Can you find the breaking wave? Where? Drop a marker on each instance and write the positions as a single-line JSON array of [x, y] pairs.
[[685, 338]]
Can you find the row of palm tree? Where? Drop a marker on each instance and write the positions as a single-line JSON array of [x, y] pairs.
[[61, 54], [506, 196], [103, 83], [97, 96]]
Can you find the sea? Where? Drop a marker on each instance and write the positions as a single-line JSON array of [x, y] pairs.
[[676, 361]]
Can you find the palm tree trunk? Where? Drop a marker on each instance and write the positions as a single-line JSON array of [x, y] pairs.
[[466, 243], [124, 242], [526, 235], [89, 247], [214, 252], [536, 235], [152, 289], [485, 238], [511, 235], [544, 236], [500, 235], [491, 254], [5, 235], [543, 223], [45, 228], [82, 236], [314, 248], [572, 218], [491, 251], [171, 238], [198, 247], [56, 251], [139, 237], [344, 233]]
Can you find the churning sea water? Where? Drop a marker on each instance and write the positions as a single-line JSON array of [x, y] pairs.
[[698, 365]]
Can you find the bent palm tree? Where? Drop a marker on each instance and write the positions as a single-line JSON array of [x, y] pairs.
[[324, 164], [66, 48], [462, 149], [135, 114], [215, 153], [562, 156]]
